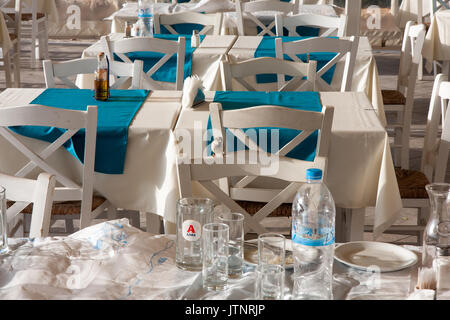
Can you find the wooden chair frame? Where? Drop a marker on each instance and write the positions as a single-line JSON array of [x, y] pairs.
[[343, 47], [267, 65], [210, 21], [332, 25], [224, 166]]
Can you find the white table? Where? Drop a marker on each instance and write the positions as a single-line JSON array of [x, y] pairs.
[[437, 41], [360, 168], [365, 77], [115, 261], [205, 61], [149, 182]]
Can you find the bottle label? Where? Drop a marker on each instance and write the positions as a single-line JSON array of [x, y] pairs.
[[313, 238], [191, 230]]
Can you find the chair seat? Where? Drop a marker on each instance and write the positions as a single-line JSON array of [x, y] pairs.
[[28, 16], [393, 97], [67, 207], [411, 184], [285, 210]]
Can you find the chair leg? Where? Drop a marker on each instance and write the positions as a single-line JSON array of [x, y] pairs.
[[17, 68], [7, 66], [153, 222], [68, 222], [33, 48]]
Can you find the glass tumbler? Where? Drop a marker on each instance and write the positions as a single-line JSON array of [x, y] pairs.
[[192, 215], [270, 272], [235, 221], [215, 256]]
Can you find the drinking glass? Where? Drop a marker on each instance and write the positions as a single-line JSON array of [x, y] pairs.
[[270, 272], [192, 214], [215, 256], [235, 221], [3, 224], [271, 249]]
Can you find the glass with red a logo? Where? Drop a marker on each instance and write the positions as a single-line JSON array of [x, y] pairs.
[[192, 214]]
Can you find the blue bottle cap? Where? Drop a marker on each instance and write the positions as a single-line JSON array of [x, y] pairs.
[[313, 174]]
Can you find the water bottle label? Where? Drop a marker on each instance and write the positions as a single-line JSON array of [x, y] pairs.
[[191, 230], [308, 237], [144, 13]]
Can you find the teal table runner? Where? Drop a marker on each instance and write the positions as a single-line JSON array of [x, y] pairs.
[[168, 70], [266, 48], [308, 101], [114, 118]]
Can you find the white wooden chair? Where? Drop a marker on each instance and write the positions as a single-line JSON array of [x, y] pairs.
[[34, 26], [246, 10], [38, 192], [11, 56], [329, 26], [121, 72], [342, 47], [433, 164], [167, 47], [401, 101], [212, 22], [223, 166], [267, 65], [72, 199], [438, 5]]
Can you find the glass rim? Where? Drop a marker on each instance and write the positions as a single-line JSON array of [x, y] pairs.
[[220, 227], [2, 190], [269, 265], [231, 214], [272, 235], [201, 201]]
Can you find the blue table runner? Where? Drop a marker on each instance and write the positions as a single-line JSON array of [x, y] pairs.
[[114, 118], [266, 48], [308, 101], [167, 72]]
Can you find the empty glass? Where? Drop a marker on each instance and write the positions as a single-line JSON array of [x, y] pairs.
[[3, 224], [215, 256], [192, 215], [235, 221], [270, 272]]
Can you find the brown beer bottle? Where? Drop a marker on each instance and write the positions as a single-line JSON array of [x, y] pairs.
[[101, 84]]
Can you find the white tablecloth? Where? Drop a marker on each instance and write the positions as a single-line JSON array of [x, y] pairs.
[[115, 261], [437, 40], [365, 77], [205, 61], [409, 11], [149, 182], [360, 168]]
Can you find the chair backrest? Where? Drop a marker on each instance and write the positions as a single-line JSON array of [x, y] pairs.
[[437, 5], [121, 71], [410, 56], [246, 10], [267, 65], [38, 192], [212, 22], [167, 48], [72, 121], [227, 166], [329, 26], [435, 150], [342, 47]]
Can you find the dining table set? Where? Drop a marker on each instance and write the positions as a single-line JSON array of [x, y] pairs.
[[177, 93]]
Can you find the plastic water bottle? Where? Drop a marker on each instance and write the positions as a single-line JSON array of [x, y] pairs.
[[145, 15], [313, 220]]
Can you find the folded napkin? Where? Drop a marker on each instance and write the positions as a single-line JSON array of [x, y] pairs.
[[192, 92]]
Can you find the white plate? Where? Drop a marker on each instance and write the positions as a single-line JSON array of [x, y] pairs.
[[366, 255], [251, 255]]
